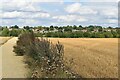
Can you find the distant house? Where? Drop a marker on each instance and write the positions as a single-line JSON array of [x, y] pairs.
[[10, 29], [35, 30], [114, 29], [108, 30], [43, 31], [96, 30], [84, 30], [75, 30], [55, 30]]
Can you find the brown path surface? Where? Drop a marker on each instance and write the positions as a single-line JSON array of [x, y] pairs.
[[12, 66]]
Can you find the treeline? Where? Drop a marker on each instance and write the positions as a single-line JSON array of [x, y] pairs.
[[64, 31], [80, 34], [15, 32], [44, 59]]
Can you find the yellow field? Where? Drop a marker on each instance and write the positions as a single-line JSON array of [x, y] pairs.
[[93, 58], [3, 40]]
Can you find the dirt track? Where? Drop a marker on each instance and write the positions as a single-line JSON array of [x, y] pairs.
[[12, 66]]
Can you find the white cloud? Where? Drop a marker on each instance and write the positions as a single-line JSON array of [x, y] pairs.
[[73, 13], [112, 21], [110, 12], [11, 14], [33, 0], [78, 8], [16, 14], [12, 5], [101, 1], [70, 18], [41, 15]]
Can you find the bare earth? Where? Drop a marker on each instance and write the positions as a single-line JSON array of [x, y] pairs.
[[2, 41], [93, 57], [12, 66]]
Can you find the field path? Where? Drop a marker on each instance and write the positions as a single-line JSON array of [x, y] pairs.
[[12, 66]]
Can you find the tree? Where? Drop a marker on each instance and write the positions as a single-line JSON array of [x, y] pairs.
[[51, 27], [5, 32], [100, 29], [39, 27], [15, 27], [68, 29], [99, 35], [80, 26], [86, 34], [14, 33], [27, 27], [108, 35], [74, 27]]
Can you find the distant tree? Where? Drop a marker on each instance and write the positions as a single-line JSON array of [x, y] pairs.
[[108, 35], [56, 27], [5, 32], [26, 27], [14, 33], [86, 34], [1, 28], [46, 28], [39, 27], [80, 26], [99, 35], [92, 35], [100, 29], [68, 28], [91, 29], [90, 26], [74, 27], [51, 27], [78, 34], [15, 27], [110, 27]]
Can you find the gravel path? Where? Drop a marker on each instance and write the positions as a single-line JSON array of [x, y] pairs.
[[12, 66]]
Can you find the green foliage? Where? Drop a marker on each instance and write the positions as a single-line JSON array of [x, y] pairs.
[[108, 35], [86, 34], [14, 32], [15, 27], [5, 32], [64, 31], [51, 27]]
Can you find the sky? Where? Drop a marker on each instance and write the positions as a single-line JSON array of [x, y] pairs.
[[59, 12]]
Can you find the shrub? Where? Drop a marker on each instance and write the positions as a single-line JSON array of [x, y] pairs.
[[44, 58], [24, 40]]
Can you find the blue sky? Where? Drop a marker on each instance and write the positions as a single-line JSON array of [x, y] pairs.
[[59, 12]]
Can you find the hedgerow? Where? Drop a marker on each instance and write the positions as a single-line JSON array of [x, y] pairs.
[[44, 58]]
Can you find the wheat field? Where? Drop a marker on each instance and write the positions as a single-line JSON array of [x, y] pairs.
[[3, 40], [92, 57]]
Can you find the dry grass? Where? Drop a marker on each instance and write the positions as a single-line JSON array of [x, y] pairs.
[[3, 40], [93, 58]]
